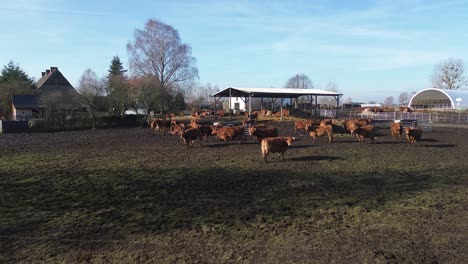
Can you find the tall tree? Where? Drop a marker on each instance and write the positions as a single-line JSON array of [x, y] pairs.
[[117, 87], [13, 81], [157, 51], [12, 72], [388, 101], [179, 101], [116, 67], [90, 88], [449, 74], [403, 98], [300, 81], [327, 100]]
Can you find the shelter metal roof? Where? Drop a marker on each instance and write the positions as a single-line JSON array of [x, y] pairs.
[[432, 96], [272, 92]]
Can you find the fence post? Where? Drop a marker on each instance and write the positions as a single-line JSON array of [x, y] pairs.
[[1, 130]]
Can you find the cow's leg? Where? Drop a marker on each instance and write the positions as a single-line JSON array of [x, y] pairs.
[[264, 155]]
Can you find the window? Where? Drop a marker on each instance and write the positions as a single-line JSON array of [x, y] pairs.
[[236, 106]]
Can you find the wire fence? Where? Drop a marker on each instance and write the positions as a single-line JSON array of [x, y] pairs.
[[435, 117]]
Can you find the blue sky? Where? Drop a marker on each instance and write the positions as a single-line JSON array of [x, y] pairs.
[[370, 49]]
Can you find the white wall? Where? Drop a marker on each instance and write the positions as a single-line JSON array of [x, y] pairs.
[[22, 114], [237, 100]]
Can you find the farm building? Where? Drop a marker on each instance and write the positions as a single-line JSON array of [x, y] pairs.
[[237, 104], [246, 94], [433, 98], [52, 89]]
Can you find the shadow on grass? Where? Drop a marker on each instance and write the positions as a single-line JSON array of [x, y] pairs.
[[110, 204], [440, 146], [316, 158]]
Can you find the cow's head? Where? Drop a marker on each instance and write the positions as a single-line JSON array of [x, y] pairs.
[[252, 130], [408, 129], [290, 140], [352, 126]]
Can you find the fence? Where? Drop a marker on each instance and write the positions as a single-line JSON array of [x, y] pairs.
[[13, 126], [433, 117]]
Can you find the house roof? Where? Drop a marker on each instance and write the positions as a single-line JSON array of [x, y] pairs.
[[25, 101], [272, 92], [48, 75]]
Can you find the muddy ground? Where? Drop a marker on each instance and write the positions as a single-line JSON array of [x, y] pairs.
[[130, 195]]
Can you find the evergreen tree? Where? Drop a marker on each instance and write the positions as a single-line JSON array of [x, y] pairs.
[[12, 72], [117, 87], [179, 101], [13, 81], [116, 68]]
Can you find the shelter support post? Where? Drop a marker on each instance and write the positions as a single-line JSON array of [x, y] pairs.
[[250, 105], [315, 105], [337, 97], [214, 108], [310, 100], [230, 105], [281, 107]]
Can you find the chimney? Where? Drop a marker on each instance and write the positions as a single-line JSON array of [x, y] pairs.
[[53, 69], [47, 72], [43, 74]]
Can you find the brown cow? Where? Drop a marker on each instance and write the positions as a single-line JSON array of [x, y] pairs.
[[262, 132], [275, 145], [206, 130], [396, 130], [190, 135], [301, 124], [160, 125], [351, 126], [177, 129], [285, 113], [320, 131], [364, 132], [413, 135], [225, 133]]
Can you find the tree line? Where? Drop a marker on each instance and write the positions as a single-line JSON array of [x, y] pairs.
[[162, 77]]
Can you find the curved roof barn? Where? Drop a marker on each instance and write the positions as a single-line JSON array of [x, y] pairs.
[[439, 98]]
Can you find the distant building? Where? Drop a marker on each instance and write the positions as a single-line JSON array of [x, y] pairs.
[[433, 98], [237, 104], [52, 89]]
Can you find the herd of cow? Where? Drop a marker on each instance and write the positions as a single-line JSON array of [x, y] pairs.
[[268, 136]]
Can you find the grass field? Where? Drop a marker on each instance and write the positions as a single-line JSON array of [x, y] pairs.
[[129, 196]]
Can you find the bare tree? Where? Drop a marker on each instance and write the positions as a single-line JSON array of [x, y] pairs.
[[90, 87], [388, 101], [300, 81], [327, 100], [146, 94], [449, 74], [157, 51], [403, 98]]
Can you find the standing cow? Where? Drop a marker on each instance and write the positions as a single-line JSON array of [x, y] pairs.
[[321, 131], [225, 133], [262, 132], [413, 135], [190, 135], [275, 145], [396, 130], [364, 132]]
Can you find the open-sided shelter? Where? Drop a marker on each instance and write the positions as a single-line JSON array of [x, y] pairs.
[[275, 93]]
